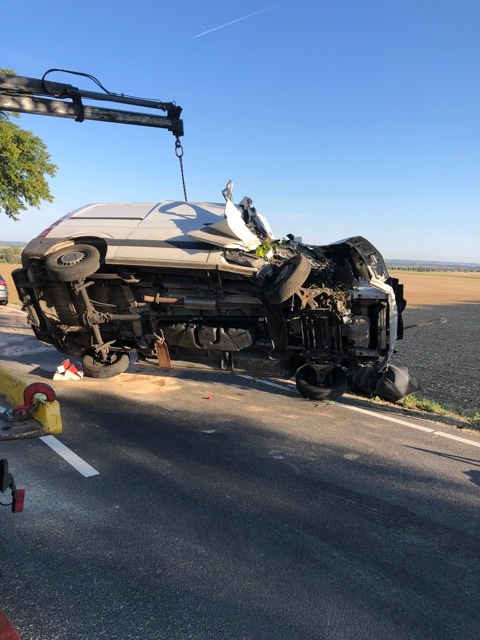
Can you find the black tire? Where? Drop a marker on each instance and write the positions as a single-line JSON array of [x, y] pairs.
[[95, 368], [287, 279], [73, 263], [4, 302], [331, 387]]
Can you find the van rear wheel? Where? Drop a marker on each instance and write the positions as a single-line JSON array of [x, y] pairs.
[[73, 263]]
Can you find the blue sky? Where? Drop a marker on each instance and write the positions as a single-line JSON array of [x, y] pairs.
[[339, 118]]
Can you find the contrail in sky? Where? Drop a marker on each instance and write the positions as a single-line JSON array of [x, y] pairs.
[[250, 15]]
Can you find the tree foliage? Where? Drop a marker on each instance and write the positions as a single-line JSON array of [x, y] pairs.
[[24, 165], [11, 254]]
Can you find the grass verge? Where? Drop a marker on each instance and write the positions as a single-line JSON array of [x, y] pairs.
[[420, 403]]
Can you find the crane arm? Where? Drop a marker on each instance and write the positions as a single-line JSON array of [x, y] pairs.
[[25, 95]]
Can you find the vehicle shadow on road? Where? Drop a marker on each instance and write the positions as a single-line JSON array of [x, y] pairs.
[[473, 475], [207, 518]]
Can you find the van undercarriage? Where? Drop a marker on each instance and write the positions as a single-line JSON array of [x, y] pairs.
[[320, 313]]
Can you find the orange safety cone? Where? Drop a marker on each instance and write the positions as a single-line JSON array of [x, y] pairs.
[[7, 632]]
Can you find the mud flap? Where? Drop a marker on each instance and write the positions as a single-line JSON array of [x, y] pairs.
[[396, 383], [163, 355], [393, 384]]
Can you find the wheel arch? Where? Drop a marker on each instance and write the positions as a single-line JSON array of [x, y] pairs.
[[40, 248], [99, 243]]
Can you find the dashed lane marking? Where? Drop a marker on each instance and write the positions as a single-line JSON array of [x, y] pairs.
[[405, 423], [67, 454]]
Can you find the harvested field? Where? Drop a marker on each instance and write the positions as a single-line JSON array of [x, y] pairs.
[[439, 288], [444, 358]]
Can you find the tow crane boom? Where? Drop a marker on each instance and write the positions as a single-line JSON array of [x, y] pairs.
[[22, 94], [43, 97]]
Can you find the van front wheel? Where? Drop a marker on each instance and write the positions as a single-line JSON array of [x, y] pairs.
[[329, 387]]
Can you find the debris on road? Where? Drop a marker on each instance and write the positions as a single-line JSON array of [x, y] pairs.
[[68, 371]]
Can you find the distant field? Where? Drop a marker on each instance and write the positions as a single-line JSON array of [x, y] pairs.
[[439, 288], [421, 288]]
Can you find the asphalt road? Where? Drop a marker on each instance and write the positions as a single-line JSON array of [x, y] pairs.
[[444, 358], [226, 508]]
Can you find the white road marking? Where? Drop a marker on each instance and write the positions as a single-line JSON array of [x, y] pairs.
[[267, 382], [411, 425], [389, 418], [457, 438], [67, 454], [404, 423]]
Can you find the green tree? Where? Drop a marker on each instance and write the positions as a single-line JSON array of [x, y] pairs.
[[24, 165]]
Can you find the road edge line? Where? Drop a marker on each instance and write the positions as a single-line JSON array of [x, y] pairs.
[[381, 416]]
